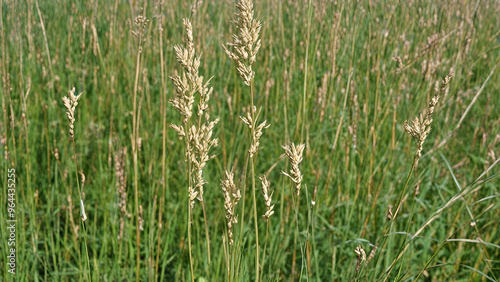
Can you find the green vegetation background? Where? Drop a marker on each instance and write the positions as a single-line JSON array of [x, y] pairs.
[[309, 50]]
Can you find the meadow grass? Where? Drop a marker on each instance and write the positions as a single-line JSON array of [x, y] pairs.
[[338, 77]]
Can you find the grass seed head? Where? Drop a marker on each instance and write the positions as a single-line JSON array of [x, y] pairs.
[[198, 134], [361, 257], [141, 218], [70, 102], [266, 185], [294, 154], [420, 126], [257, 133], [231, 197], [246, 42]]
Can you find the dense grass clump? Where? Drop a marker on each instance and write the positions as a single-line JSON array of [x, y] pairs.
[[372, 126]]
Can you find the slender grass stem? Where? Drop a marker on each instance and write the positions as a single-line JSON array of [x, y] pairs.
[[136, 168], [265, 247], [253, 187], [242, 217], [255, 223], [82, 211], [207, 236], [189, 240]]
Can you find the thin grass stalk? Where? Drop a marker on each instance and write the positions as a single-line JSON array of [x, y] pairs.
[[207, 236], [134, 151], [46, 41], [313, 216], [307, 244], [306, 68], [400, 200], [253, 187], [83, 212], [190, 182], [188, 176], [33, 227], [120, 253], [70, 102], [412, 212], [189, 240], [265, 247], [296, 202], [226, 258], [393, 216], [242, 218], [164, 137]]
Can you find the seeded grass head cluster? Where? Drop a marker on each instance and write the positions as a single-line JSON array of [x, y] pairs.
[[231, 197], [256, 132], [70, 102], [420, 126], [198, 134], [246, 42], [294, 155], [266, 186]]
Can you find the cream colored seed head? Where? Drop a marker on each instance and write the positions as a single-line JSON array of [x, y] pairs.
[[294, 154], [420, 126], [266, 185], [70, 102], [231, 197], [141, 24], [198, 136], [246, 43], [141, 218], [361, 257], [256, 134]]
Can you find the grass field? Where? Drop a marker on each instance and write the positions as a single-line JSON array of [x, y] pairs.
[[363, 201]]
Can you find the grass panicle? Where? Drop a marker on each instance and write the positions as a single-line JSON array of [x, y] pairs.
[[294, 155], [231, 197]]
